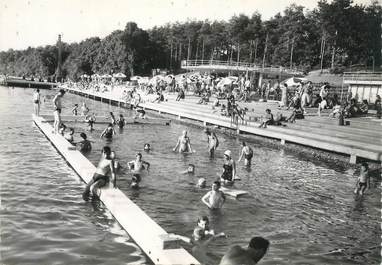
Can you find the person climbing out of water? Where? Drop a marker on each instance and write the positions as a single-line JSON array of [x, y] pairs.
[[247, 152], [75, 110], [137, 167], [121, 121], [183, 143], [90, 120], [215, 198], [36, 102], [212, 142], [84, 145], [147, 147], [69, 135], [108, 132], [363, 181], [57, 103], [101, 176], [84, 109], [229, 168], [236, 255]]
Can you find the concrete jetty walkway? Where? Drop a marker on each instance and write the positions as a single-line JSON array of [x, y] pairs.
[[161, 247], [361, 139]]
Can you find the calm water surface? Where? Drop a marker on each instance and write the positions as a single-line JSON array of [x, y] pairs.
[[305, 208]]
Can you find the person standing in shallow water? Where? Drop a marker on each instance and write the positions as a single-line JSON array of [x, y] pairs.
[[247, 152], [183, 143], [36, 102], [212, 141]]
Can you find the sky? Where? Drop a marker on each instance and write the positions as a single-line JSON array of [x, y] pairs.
[[25, 23]]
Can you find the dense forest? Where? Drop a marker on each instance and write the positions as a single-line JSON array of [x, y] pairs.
[[333, 35]]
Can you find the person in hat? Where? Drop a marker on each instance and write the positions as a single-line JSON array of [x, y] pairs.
[[229, 168], [57, 103]]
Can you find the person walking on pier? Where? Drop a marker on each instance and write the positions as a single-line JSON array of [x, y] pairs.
[[36, 102], [101, 176], [57, 109]]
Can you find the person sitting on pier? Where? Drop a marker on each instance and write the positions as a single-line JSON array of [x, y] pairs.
[[183, 143], [229, 169], [267, 120], [137, 166], [352, 109], [121, 121], [215, 198], [236, 255], [108, 132], [69, 135], [364, 107], [363, 181], [84, 145], [100, 177], [181, 94], [247, 152], [57, 102], [159, 97]]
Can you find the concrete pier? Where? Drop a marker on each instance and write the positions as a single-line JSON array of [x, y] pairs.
[[361, 139], [157, 244]]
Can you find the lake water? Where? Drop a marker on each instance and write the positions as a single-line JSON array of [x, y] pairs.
[[305, 208]]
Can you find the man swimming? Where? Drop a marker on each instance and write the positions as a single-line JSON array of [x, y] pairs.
[[190, 169], [202, 230], [147, 147], [215, 198], [229, 169], [57, 109], [247, 152], [90, 120], [84, 145], [137, 167], [236, 255], [100, 177], [108, 132], [212, 141], [183, 143]]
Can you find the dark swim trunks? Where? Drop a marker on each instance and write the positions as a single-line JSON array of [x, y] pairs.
[[137, 178], [97, 177], [58, 110], [36, 101]]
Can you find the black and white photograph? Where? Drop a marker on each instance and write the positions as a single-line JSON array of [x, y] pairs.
[[190, 132]]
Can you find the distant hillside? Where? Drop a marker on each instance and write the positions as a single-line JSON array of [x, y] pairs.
[[318, 77]]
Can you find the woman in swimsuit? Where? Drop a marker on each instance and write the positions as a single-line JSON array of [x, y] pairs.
[[229, 168], [113, 119], [36, 102], [108, 132], [100, 177], [137, 166], [121, 121], [183, 143], [247, 152], [212, 141]]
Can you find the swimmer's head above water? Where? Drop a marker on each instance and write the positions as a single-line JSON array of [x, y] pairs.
[[147, 147], [227, 153], [191, 169], [201, 183]]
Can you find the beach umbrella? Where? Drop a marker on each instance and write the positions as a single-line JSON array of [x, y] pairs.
[[106, 76], [119, 75]]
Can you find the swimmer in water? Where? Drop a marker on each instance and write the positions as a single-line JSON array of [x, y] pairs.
[[62, 129], [215, 198], [101, 176], [90, 119], [183, 143], [69, 135], [201, 183], [147, 147], [229, 169], [212, 142], [363, 181], [84, 109], [190, 170], [113, 120], [137, 167], [108, 132], [84, 145], [121, 121], [247, 152], [117, 166], [75, 110], [202, 230]]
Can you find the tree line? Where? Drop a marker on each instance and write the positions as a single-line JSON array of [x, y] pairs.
[[333, 35]]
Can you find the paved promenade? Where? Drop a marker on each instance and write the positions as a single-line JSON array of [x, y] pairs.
[[362, 138]]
